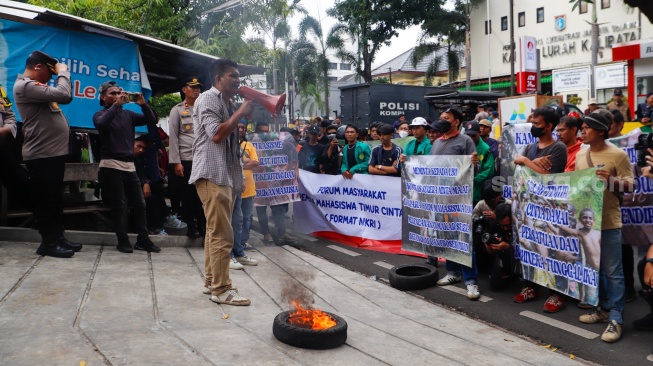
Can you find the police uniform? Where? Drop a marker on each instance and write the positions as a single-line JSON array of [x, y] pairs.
[[181, 137], [46, 146]]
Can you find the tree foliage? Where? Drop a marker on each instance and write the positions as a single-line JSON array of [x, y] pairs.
[[370, 24]]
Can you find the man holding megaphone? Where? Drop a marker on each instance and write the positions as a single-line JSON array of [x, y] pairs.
[[218, 176]]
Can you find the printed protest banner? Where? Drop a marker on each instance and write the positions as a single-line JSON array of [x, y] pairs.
[[514, 138], [637, 207], [276, 176], [558, 221], [437, 202], [91, 59], [362, 212]]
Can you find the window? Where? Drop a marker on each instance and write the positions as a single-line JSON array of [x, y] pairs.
[[504, 23], [605, 4], [488, 26], [540, 15], [582, 7], [345, 66], [521, 19], [333, 66]]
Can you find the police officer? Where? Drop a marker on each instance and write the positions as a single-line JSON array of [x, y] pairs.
[[182, 135], [46, 145]]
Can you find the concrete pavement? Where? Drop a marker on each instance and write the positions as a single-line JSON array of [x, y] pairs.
[[105, 307]]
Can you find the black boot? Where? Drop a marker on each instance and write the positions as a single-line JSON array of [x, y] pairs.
[[75, 247], [146, 245], [53, 249], [124, 246]]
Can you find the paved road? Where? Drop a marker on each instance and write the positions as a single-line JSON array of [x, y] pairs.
[[562, 331]]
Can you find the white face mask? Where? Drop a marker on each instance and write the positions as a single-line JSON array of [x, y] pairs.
[[403, 134]]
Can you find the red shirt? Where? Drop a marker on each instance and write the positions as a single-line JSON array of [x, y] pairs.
[[571, 155]]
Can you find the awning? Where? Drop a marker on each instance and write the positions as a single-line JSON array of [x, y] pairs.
[[632, 50]]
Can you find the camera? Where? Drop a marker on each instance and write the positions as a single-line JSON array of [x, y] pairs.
[[331, 136], [644, 142], [479, 223], [132, 97], [493, 238]]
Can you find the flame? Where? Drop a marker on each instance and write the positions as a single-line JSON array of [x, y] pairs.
[[310, 318]]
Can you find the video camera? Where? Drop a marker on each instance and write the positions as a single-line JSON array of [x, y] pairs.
[[480, 224], [493, 238], [644, 142]]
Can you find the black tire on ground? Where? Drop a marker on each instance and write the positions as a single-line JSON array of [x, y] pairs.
[[309, 338], [409, 277]]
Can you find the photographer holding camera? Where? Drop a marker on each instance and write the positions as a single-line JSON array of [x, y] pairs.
[[483, 216], [497, 240]]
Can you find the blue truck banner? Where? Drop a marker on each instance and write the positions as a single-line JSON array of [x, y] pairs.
[[276, 176], [437, 207], [92, 59]]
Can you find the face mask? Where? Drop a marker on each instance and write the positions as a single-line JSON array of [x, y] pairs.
[[537, 132], [403, 134], [444, 126]]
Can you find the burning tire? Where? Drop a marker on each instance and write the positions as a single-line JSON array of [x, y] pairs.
[[409, 277], [309, 338]]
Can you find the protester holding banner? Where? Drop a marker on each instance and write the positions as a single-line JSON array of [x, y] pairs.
[[356, 154], [567, 131], [452, 142], [613, 168], [545, 156], [384, 159], [46, 146], [485, 159]]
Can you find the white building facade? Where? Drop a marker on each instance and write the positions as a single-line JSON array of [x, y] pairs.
[[563, 37]]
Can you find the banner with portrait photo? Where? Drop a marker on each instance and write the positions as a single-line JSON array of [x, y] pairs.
[[437, 206], [558, 222], [514, 138], [276, 175], [637, 207]]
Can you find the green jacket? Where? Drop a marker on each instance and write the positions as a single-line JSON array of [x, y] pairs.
[[485, 170], [424, 147], [362, 153]]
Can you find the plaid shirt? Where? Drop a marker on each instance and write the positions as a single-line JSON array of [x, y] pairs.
[[219, 163]]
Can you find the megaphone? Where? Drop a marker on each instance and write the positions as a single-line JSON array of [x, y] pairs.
[[272, 103]]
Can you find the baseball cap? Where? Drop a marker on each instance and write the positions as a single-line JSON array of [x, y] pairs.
[[44, 58], [618, 92], [104, 86], [495, 114], [472, 128], [192, 81], [485, 122], [435, 126], [314, 129], [597, 122], [457, 114], [592, 101], [418, 121]]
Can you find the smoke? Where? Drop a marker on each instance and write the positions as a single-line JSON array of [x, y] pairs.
[[296, 288]]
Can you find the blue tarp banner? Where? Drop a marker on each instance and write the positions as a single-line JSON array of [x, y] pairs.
[[91, 58]]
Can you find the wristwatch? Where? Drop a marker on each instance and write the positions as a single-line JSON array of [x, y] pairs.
[[379, 167], [649, 260]]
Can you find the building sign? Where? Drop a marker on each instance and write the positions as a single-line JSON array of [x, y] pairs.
[[571, 79], [611, 76], [528, 50], [560, 22], [526, 82], [633, 50]]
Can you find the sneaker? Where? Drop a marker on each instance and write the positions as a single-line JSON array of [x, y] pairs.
[[612, 333], [206, 290], [526, 294], [146, 245], [247, 261], [173, 222], [234, 264], [448, 280], [645, 323], [267, 238], [55, 250], [161, 232], [554, 304], [584, 305], [598, 316], [472, 292], [287, 238], [230, 297], [248, 247]]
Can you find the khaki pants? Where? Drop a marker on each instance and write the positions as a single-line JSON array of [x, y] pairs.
[[218, 204]]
